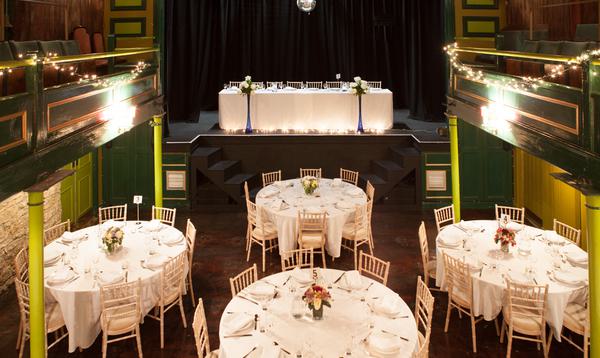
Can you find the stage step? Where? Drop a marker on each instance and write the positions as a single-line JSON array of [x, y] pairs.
[[387, 169], [225, 169], [206, 156], [405, 156]]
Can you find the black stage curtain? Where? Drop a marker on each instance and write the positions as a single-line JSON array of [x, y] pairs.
[[210, 42]]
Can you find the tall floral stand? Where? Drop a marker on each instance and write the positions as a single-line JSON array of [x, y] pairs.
[[248, 120], [360, 128]]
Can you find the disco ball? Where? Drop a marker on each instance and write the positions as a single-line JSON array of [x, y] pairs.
[[306, 5]]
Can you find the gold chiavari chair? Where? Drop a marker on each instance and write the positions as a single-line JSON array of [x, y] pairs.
[[54, 232], [121, 309], [356, 233], [243, 280], [524, 314], [164, 215], [515, 214], [234, 83], [270, 178], [370, 190], [190, 239], [54, 318], [301, 258], [312, 232], [310, 173], [172, 280], [576, 320], [295, 84], [429, 265], [373, 267], [374, 84], [444, 217], [334, 84], [259, 85], [246, 191], [22, 274], [460, 293], [568, 232], [423, 316], [275, 83], [314, 84], [260, 232], [117, 213], [201, 333], [349, 176]]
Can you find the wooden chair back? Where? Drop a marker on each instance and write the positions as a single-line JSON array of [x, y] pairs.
[[312, 223], [310, 173], [370, 190], [190, 239], [201, 331], [314, 84], [22, 289], [423, 315], [444, 216], [243, 280], [424, 245], [54, 232], [116, 212], [568, 232], [275, 83], [301, 258], [246, 191], [22, 265], [173, 278], [527, 302], [374, 84], [165, 215], [270, 178], [295, 84], [349, 176], [373, 267], [119, 302], [458, 279], [515, 214], [334, 84], [234, 83]]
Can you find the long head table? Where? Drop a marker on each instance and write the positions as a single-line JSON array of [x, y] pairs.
[[306, 109]]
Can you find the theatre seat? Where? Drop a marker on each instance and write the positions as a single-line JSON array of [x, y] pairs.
[[52, 76], [82, 37], [20, 50], [586, 32], [98, 42], [515, 66]]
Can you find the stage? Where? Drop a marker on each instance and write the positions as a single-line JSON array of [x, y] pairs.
[[219, 161]]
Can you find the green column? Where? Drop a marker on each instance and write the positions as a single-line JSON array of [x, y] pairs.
[[592, 204], [37, 326], [158, 182], [453, 126]]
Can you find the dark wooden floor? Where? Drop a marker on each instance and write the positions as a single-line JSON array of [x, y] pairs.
[[220, 255]]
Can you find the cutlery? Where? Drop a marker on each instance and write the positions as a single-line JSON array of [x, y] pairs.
[[247, 299], [255, 321], [286, 281], [480, 272], [344, 289], [394, 334], [252, 350], [400, 317], [371, 284], [270, 283], [280, 347], [339, 278], [238, 335], [535, 281]]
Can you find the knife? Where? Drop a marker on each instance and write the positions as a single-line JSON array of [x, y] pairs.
[[247, 299], [339, 278], [252, 350]]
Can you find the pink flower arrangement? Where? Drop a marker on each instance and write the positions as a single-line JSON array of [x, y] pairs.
[[316, 297], [505, 237]]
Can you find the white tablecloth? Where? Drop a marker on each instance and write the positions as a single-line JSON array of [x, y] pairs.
[[328, 198], [348, 316], [79, 300], [489, 287], [324, 110]]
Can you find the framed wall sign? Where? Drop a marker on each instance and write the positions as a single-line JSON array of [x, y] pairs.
[[480, 4]]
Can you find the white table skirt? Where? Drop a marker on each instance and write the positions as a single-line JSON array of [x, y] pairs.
[[329, 337], [79, 300], [489, 288], [324, 110], [286, 220]]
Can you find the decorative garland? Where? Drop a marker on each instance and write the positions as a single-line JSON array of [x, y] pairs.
[[525, 82]]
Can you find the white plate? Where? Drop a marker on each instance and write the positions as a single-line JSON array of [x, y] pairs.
[[238, 323], [60, 276], [51, 255], [172, 239], [111, 277], [384, 344], [157, 261], [390, 306], [261, 290]]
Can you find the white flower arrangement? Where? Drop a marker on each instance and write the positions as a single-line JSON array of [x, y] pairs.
[[112, 239], [359, 86], [309, 184], [247, 86]]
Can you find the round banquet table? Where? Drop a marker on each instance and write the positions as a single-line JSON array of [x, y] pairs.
[[79, 299], [351, 315], [282, 201], [491, 267]]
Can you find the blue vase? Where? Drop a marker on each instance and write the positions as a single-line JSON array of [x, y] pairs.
[[360, 124], [248, 121]]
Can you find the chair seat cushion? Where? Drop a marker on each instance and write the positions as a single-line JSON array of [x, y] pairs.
[[54, 317], [459, 297], [523, 323], [431, 268], [265, 231], [311, 240], [121, 320], [349, 232], [575, 318]]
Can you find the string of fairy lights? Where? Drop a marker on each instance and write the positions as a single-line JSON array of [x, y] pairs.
[[523, 83]]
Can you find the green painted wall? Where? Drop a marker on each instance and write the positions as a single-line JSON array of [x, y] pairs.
[[77, 190]]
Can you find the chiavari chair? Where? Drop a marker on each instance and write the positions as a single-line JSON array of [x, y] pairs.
[[300, 258], [190, 239], [568, 232], [22, 274], [201, 333], [374, 84], [172, 279], [429, 265], [164, 215], [356, 232], [270, 178], [121, 313], [349, 176], [515, 214], [243, 280], [260, 232], [576, 320], [444, 217], [295, 84], [117, 213], [370, 190], [54, 232], [334, 84], [373, 267], [314, 84], [275, 83], [423, 315], [312, 232], [524, 314], [234, 83], [310, 173]]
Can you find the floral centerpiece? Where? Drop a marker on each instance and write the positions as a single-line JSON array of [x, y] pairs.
[[112, 239], [310, 184], [505, 237], [247, 87], [358, 88], [316, 297]]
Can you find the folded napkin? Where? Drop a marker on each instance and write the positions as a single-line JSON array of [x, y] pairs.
[[519, 277], [172, 237], [279, 205], [524, 247], [51, 254], [238, 323], [269, 192], [153, 225], [473, 263], [513, 226], [271, 352], [354, 191], [302, 277], [469, 225], [384, 343], [570, 276], [61, 275], [337, 182], [261, 290], [111, 277], [576, 255], [288, 88], [353, 280], [449, 240], [68, 236], [552, 237], [389, 305], [157, 261]]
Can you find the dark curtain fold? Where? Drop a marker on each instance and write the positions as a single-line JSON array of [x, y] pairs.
[[211, 42]]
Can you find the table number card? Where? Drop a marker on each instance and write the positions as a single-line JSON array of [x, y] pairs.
[[137, 199]]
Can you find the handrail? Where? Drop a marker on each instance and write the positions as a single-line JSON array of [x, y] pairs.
[[528, 55], [6, 65], [101, 55]]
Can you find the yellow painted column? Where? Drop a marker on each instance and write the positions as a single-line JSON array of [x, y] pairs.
[[158, 182], [37, 326], [453, 126], [592, 204]]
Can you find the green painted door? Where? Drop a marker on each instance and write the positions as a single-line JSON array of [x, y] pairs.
[[67, 196], [76, 191], [486, 168], [128, 167]]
